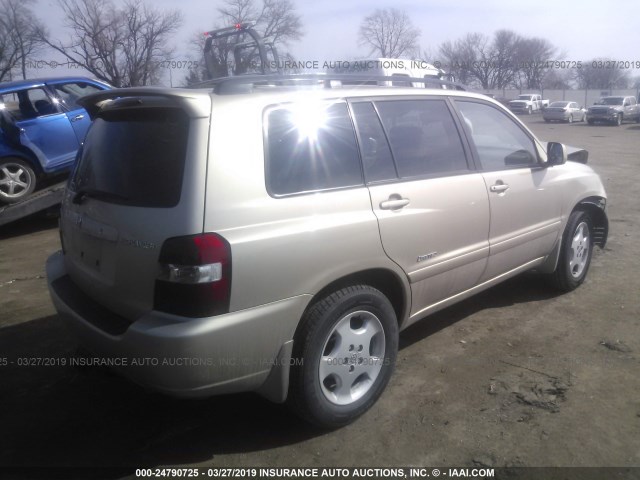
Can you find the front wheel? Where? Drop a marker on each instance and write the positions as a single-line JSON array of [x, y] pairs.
[[345, 350], [575, 252], [17, 180]]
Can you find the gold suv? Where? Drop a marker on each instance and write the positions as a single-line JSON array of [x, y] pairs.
[[275, 236]]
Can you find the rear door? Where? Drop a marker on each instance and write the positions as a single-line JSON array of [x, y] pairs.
[[139, 181], [432, 207], [44, 129], [525, 197]]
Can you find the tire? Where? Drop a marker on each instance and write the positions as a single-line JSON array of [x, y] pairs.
[[618, 120], [349, 337], [529, 110], [17, 180], [570, 119], [590, 122], [575, 252]]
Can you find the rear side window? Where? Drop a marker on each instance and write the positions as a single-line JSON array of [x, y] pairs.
[[311, 147], [423, 136], [135, 157], [27, 104], [69, 93]]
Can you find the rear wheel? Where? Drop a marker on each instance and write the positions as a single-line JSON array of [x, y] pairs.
[[17, 180], [346, 346], [575, 252]]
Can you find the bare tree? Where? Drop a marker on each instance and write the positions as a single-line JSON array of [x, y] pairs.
[[533, 60], [503, 57], [499, 62], [554, 79], [601, 73], [470, 59], [146, 35], [18, 36], [120, 45], [390, 33], [274, 20]]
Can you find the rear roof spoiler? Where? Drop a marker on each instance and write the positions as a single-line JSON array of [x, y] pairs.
[[176, 97]]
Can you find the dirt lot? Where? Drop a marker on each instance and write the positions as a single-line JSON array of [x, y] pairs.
[[517, 376]]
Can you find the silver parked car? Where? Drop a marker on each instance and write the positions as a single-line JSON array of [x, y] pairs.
[[273, 236], [564, 112]]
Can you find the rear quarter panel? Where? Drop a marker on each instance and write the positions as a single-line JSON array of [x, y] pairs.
[[281, 247]]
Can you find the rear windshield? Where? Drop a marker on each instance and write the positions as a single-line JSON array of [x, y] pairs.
[[134, 157]]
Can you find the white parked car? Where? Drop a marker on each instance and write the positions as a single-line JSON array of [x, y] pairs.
[[564, 112]]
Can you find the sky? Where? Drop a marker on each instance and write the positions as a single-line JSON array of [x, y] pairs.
[[580, 29]]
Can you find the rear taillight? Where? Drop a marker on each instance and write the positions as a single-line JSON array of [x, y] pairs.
[[196, 276]]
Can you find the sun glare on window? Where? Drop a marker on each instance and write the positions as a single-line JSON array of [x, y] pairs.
[[309, 119]]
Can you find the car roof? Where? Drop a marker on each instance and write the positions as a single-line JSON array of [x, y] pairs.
[[38, 82]]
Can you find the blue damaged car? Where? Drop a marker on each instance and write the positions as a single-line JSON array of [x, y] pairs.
[[41, 129]]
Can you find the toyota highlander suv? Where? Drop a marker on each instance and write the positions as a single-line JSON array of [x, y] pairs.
[[275, 236]]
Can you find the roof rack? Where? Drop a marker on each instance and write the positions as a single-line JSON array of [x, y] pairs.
[[248, 83], [239, 30]]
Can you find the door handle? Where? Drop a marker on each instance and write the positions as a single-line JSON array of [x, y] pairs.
[[395, 202], [499, 187], [77, 118]]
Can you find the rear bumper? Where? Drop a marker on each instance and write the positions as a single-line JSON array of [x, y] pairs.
[[558, 116], [521, 108], [182, 357]]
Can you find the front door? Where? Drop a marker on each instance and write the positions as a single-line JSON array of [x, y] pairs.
[[525, 197]]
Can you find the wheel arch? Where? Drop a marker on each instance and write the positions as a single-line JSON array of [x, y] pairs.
[[381, 279], [595, 207], [25, 156], [276, 387]]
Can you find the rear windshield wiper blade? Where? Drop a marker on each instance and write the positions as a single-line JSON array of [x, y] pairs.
[[83, 193]]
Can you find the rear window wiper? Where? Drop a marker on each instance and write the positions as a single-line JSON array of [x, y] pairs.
[[83, 193]]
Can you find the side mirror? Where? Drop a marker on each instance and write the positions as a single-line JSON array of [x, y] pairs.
[[556, 153]]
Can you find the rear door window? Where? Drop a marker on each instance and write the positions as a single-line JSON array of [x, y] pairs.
[[423, 136], [134, 157], [374, 148], [27, 104], [311, 147]]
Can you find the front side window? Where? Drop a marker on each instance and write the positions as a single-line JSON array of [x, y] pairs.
[[311, 146], [423, 137], [499, 141]]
